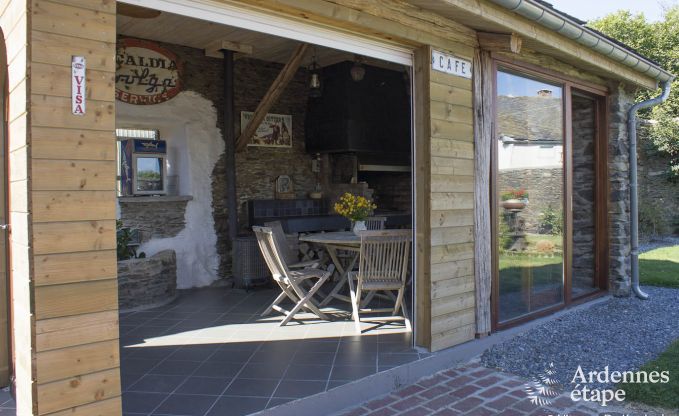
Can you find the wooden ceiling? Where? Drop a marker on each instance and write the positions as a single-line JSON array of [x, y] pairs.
[[199, 34]]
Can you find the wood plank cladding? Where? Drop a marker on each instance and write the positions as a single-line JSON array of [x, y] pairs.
[[72, 210], [14, 25], [451, 206]]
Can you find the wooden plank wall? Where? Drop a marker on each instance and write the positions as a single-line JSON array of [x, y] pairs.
[[452, 209], [72, 203], [14, 24]]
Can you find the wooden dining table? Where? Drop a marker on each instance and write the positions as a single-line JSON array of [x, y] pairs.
[[334, 242]]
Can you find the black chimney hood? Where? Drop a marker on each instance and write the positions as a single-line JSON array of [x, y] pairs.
[[371, 116]]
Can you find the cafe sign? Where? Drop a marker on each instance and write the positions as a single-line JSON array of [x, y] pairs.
[[450, 64], [146, 73]]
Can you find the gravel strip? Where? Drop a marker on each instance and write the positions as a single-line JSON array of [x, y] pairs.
[[657, 243], [622, 333]]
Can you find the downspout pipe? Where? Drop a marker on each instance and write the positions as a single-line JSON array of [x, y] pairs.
[[633, 180]]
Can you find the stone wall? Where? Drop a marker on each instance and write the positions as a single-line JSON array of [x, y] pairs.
[[159, 218], [147, 282], [584, 196], [620, 100], [258, 167], [544, 187], [658, 192]]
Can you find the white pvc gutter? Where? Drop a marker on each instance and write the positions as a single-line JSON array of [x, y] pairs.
[[584, 36]]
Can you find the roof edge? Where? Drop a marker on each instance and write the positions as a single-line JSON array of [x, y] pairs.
[[572, 29]]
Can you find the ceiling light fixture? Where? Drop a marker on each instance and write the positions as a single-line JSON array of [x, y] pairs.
[[357, 71]]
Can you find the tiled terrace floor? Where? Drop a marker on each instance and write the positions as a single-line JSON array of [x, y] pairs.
[[7, 407], [210, 353]]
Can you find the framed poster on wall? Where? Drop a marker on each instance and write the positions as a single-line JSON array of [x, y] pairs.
[[275, 130]]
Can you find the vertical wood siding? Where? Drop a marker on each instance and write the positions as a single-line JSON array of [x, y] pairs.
[[72, 201], [14, 24], [451, 215]]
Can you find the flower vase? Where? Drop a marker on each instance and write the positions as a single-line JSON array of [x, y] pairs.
[[358, 226]]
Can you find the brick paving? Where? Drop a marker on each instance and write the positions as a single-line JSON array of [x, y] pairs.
[[470, 390]]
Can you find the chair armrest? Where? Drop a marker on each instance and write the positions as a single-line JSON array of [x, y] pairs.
[[304, 264]]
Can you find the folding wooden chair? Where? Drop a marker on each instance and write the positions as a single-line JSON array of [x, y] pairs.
[[382, 267], [289, 250], [375, 223], [289, 280]]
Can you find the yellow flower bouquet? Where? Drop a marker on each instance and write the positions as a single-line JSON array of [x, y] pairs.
[[355, 208]]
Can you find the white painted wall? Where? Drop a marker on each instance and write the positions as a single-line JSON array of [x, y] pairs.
[[188, 123], [526, 156]]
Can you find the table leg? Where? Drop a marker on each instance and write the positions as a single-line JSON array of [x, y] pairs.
[[343, 273]]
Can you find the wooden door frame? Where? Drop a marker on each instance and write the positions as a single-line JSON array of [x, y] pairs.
[[600, 95], [4, 74]]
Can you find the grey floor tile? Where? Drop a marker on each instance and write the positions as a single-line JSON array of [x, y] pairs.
[[337, 383], [307, 372], [361, 358], [204, 385], [313, 346], [141, 402], [271, 370], [395, 347], [156, 383], [7, 412], [297, 389], [231, 356], [251, 387], [152, 353], [278, 401], [237, 406], [186, 405], [137, 365], [194, 352], [218, 369], [176, 368], [314, 357], [351, 372]]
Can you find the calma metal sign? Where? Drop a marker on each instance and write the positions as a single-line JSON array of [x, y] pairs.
[[146, 73], [78, 80], [450, 64]]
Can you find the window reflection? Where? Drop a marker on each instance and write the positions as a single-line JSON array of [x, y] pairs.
[[529, 140]]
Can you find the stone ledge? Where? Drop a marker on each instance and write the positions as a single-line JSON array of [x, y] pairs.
[[160, 198], [147, 282]]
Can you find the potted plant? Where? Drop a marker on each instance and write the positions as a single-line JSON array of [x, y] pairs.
[[514, 199], [356, 209]]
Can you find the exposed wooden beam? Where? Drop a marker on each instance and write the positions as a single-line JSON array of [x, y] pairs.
[[214, 49], [499, 42], [483, 252], [271, 96]]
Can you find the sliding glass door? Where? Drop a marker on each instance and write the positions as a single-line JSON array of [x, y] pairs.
[[546, 202], [529, 185]]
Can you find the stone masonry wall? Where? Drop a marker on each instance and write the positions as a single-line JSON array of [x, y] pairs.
[[158, 219], [658, 195], [258, 167], [619, 102], [584, 209], [544, 187]]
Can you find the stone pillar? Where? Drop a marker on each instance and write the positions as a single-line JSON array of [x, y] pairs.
[[620, 100]]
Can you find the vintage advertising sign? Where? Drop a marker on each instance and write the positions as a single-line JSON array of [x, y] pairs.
[[78, 80], [450, 64], [275, 130], [146, 73]]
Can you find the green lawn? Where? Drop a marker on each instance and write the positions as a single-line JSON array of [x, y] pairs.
[[660, 267], [661, 395]]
